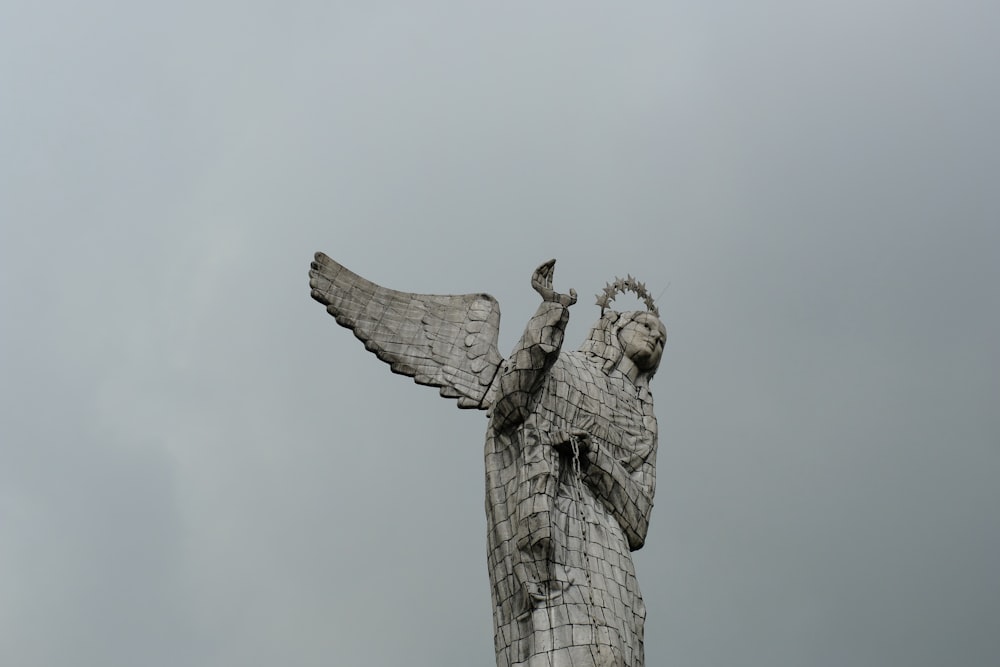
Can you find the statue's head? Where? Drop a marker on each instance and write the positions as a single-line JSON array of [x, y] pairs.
[[636, 336], [642, 337]]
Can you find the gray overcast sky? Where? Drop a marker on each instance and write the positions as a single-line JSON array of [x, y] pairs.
[[199, 468]]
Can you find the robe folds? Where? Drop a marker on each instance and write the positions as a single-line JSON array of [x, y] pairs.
[[570, 473]]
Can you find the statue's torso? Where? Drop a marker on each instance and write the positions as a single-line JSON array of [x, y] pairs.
[[537, 501]]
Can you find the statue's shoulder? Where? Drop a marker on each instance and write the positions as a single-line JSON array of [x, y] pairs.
[[574, 366]]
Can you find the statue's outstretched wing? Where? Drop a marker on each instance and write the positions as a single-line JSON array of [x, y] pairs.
[[442, 341]]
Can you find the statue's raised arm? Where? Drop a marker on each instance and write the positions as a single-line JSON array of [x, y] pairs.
[[534, 354]]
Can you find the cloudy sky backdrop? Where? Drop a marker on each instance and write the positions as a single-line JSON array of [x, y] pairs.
[[199, 468]]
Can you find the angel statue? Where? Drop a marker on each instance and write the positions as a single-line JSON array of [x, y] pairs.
[[570, 451]]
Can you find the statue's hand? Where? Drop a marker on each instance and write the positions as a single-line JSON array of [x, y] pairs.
[[541, 282], [582, 441]]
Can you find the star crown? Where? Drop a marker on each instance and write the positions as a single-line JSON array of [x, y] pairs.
[[622, 285]]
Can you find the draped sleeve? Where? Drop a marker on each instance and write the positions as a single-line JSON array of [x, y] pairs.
[[523, 374], [626, 494]]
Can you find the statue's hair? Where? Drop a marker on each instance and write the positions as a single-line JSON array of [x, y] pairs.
[[603, 345]]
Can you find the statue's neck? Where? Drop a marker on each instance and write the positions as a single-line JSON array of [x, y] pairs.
[[628, 368]]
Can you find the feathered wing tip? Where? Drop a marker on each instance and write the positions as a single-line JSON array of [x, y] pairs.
[[444, 341]]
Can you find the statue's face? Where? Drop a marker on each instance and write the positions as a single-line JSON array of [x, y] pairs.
[[642, 340]]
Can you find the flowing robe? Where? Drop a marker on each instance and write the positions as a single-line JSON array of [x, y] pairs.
[[564, 513]]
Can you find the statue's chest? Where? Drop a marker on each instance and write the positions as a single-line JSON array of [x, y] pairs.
[[623, 420], [610, 408]]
